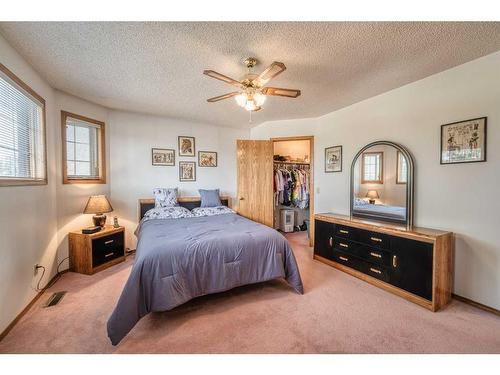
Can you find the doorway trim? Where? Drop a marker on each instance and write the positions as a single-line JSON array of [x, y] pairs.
[[310, 138]]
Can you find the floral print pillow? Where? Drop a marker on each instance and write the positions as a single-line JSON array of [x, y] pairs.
[[167, 213], [211, 211], [165, 197]]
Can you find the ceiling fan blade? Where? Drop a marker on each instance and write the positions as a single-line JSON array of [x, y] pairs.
[[222, 97], [272, 71], [222, 77], [276, 91]]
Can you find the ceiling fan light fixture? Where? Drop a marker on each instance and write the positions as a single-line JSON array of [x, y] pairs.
[[250, 105], [259, 99], [241, 99]]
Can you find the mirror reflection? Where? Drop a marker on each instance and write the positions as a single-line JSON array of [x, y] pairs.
[[380, 176]]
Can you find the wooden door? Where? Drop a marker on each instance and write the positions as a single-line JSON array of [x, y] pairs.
[[255, 180]]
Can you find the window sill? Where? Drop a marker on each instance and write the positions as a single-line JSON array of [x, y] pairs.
[[69, 181], [21, 182]]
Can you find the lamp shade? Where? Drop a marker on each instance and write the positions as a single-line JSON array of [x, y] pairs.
[[97, 204], [372, 194]]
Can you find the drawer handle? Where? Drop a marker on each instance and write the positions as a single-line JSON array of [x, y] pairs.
[[343, 258], [343, 244], [376, 255], [344, 231], [108, 255], [375, 270], [376, 239], [108, 242], [394, 261], [330, 241]]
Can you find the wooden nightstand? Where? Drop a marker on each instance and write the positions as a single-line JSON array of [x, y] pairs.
[[91, 253]]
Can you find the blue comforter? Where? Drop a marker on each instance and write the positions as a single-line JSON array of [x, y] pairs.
[[179, 259]]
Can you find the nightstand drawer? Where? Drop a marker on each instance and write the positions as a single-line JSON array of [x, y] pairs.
[[107, 248]]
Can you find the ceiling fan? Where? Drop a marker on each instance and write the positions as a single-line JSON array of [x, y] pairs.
[[252, 93]]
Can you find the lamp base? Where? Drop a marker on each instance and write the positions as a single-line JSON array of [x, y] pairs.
[[99, 220], [372, 201]]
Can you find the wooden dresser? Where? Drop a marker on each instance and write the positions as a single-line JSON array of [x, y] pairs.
[[414, 264], [91, 253]]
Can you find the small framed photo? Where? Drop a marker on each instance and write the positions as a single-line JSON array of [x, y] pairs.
[[333, 159], [187, 171], [186, 146], [464, 141], [163, 157], [207, 159]]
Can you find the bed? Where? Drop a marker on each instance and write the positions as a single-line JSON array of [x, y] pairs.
[[183, 258], [380, 211]]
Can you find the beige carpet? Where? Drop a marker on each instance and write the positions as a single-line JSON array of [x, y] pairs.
[[337, 314]]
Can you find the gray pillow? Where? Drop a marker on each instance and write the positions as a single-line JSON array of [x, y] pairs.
[[210, 198]]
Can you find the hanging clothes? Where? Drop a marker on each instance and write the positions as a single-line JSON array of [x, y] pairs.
[[291, 185]]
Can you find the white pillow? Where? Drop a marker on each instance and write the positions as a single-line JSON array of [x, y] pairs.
[[211, 211], [167, 213], [165, 197]]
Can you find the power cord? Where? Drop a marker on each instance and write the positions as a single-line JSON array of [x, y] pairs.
[[56, 277]]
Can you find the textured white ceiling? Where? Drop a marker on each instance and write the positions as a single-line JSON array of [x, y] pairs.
[[157, 67]]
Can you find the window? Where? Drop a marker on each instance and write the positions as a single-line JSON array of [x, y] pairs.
[[22, 133], [83, 149], [402, 172], [372, 168]]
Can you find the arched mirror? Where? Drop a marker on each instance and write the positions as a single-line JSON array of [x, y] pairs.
[[382, 183]]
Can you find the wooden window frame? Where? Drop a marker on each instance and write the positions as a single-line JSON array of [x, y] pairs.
[[381, 180], [101, 152], [28, 181], [397, 169]]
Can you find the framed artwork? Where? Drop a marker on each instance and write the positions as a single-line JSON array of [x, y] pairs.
[[163, 157], [207, 159], [464, 141], [187, 171], [333, 159], [186, 146]]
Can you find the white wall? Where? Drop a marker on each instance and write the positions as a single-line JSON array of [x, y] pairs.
[[132, 176], [462, 198], [71, 198], [35, 220], [28, 215]]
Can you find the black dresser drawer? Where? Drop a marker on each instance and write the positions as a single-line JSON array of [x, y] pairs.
[[352, 261], [380, 240], [365, 252], [107, 248]]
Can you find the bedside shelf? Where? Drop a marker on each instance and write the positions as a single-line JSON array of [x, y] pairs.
[[91, 253]]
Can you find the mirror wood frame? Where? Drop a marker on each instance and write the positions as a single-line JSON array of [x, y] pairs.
[[409, 184]]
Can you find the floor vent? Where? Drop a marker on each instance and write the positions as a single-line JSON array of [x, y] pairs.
[[54, 299]]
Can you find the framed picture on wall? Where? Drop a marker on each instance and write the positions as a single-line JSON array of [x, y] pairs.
[[207, 159], [333, 159], [187, 171], [464, 141], [163, 157], [186, 146]]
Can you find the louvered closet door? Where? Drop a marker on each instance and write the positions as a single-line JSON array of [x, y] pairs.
[[255, 180]]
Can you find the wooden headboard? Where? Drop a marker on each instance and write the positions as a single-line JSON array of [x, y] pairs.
[[187, 202]]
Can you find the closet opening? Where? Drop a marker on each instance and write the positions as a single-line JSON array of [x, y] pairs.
[[293, 184]]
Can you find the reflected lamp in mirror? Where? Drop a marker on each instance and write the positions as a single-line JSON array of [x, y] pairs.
[[98, 205], [372, 195]]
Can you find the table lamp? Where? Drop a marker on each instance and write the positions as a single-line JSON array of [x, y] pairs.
[[372, 195], [98, 205]]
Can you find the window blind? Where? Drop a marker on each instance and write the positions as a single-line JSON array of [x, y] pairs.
[[82, 149], [22, 144]]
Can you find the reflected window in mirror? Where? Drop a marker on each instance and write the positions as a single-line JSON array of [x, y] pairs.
[[372, 168], [402, 172]]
